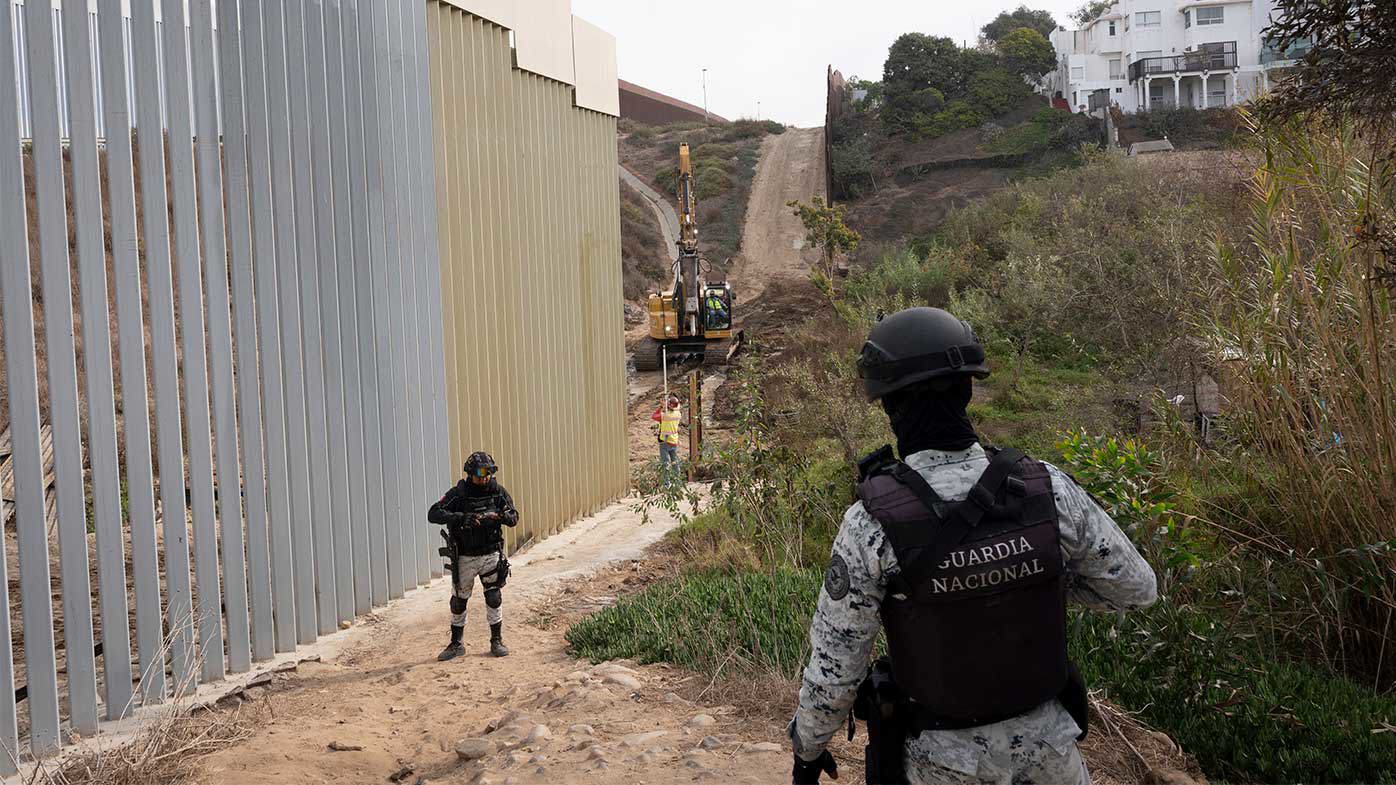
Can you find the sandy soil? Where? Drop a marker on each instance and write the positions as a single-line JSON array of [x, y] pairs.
[[537, 715], [773, 242]]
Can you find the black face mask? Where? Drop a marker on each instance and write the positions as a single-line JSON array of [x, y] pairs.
[[928, 419]]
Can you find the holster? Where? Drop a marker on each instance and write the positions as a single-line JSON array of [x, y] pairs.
[[879, 705], [450, 551]]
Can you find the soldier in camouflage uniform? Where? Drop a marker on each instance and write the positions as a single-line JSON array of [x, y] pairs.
[[1103, 571]]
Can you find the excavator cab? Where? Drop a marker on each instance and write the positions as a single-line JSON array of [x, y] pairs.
[[694, 317]]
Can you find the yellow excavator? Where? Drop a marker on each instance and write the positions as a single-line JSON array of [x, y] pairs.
[[694, 317]]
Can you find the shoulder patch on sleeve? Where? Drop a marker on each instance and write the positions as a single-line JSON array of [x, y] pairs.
[[836, 578]]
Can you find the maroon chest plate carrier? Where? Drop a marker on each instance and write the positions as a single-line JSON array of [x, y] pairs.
[[976, 617]]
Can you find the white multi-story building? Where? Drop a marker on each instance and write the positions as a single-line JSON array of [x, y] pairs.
[[1151, 54]]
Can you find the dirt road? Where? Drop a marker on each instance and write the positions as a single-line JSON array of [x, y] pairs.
[[535, 716], [773, 240]]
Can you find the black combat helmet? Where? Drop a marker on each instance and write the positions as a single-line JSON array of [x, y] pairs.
[[480, 460], [915, 345]]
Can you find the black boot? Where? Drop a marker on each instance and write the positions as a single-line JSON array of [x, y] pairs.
[[455, 648], [497, 647]]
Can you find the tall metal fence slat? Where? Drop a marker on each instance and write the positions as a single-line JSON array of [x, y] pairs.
[[117, 92], [314, 533], [438, 473], [398, 210], [97, 364], [249, 403], [266, 152], [50, 203], [371, 582], [21, 374], [193, 328], [414, 258], [333, 607], [350, 243], [351, 542], [163, 351], [371, 52], [217, 299], [392, 387], [294, 358]]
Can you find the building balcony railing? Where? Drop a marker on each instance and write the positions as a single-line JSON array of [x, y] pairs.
[[1211, 57], [1275, 57]]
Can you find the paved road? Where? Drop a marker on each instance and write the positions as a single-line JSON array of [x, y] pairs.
[[662, 207]]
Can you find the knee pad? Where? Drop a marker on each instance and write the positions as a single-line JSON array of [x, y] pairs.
[[493, 598], [458, 604]]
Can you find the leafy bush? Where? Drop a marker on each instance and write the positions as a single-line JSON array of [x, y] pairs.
[[1027, 53], [852, 165], [710, 620], [1245, 715], [711, 181], [642, 136], [997, 91]]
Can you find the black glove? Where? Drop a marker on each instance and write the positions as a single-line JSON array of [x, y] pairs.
[[807, 772]]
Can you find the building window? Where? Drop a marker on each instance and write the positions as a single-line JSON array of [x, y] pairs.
[[1216, 92], [1119, 89], [1112, 27], [1187, 18], [1148, 18], [1115, 72], [1211, 16], [1078, 72]]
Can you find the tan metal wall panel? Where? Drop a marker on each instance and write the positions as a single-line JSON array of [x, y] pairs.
[[501, 12], [594, 65], [530, 265], [543, 38]]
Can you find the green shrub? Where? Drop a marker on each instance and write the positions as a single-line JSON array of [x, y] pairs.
[[920, 280], [667, 180], [955, 116], [997, 91], [642, 136], [852, 165], [1245, 715], [710, 620], [710, 182]]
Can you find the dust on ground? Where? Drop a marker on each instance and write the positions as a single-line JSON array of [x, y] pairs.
[[386, 711]]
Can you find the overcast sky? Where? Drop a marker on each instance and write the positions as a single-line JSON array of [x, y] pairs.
[[775, 51]]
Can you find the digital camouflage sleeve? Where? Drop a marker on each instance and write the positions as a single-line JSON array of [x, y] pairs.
[[1106, 573]]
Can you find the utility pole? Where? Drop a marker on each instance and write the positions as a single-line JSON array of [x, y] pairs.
[[758, 109], [705, 95]]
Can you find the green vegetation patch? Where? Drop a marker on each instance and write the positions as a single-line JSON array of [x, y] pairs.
[[745, 621]]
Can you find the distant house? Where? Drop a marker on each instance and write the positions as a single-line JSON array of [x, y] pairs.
[[1151, 54]]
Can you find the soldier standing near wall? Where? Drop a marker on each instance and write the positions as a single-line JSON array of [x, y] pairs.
[[968, 556], [473, 513]]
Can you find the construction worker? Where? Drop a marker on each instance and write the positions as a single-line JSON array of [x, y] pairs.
[[670, 419], [968, 555], [716, 311], [473, 513]]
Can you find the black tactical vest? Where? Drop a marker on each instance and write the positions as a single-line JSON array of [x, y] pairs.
[[486, 536], [976, 619]]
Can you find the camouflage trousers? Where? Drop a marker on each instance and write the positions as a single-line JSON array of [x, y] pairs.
[[468, 568], [1045, 768]]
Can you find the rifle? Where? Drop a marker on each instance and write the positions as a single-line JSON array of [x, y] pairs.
[[879, 705]]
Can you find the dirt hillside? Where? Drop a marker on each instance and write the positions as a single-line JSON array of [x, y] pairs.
[[773, 241]]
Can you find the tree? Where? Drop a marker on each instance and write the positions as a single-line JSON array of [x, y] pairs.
[[825, 230], [1027, 53], [1346, 74], [1090, 11], [1008, 21], [916, 61]]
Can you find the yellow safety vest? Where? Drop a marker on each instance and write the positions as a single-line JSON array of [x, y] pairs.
[[669, 420]]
